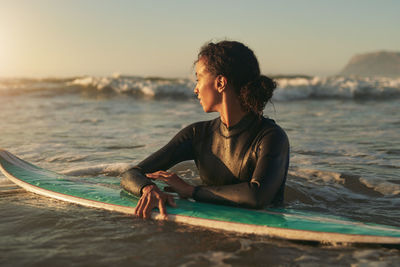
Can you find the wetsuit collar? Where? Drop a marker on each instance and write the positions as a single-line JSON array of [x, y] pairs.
[[239, 127]]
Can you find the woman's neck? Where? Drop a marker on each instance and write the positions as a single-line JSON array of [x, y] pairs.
[[230, 110]]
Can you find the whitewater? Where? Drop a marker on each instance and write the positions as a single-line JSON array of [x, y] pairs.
[[289, 88]]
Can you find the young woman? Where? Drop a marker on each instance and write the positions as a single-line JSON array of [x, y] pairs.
[[242, 156]]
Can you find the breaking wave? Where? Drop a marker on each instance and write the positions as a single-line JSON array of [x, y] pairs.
[[338, 87], [289, 88]]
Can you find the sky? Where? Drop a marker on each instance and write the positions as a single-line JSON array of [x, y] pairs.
[[47, 38]]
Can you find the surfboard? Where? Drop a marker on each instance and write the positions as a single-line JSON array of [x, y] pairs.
[[274, 223]]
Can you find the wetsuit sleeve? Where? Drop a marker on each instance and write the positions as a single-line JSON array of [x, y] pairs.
[[268, 177], [179, 149]]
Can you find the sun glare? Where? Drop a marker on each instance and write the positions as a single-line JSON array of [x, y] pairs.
[[3, 53]]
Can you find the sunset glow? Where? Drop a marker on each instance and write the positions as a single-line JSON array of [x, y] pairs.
[[63, 38]]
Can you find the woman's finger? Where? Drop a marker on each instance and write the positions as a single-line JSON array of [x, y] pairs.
[[161, 207], [138, 205], [147, 209], [153, 175], [163, 177], [162, 172], [139, 208], [159, 174]]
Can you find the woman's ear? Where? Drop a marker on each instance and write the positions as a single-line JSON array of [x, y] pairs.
[[221, 82]]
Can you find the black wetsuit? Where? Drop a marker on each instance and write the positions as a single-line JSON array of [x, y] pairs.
[[244, 165]]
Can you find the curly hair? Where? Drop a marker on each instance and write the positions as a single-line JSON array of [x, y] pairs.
[[238, 64]]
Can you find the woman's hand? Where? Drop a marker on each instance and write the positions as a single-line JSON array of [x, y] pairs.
[[151, 198], [184, 189]]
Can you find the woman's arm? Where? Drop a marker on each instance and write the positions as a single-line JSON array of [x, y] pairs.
[[177, 150], [134, 180]]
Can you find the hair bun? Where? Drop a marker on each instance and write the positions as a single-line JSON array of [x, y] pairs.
[[256, 93]]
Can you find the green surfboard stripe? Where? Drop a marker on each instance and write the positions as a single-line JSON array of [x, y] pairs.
[[109, 191]]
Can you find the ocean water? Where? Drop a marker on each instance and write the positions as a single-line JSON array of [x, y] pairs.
[[345, 160]]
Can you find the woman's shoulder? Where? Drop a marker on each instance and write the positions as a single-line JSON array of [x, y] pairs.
[[270, 128], [271, 138]]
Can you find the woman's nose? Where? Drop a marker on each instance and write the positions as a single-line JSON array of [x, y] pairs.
[[196, 91]]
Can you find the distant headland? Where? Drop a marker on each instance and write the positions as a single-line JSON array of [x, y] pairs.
[[380, 63]]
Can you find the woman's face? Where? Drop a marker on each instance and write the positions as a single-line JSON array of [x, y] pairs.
[[206, 88]]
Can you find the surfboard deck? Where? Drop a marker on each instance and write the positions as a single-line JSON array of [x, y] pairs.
[[275, 223]]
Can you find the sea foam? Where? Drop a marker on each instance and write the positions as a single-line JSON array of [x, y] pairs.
[[290, 88], [114, 169]]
